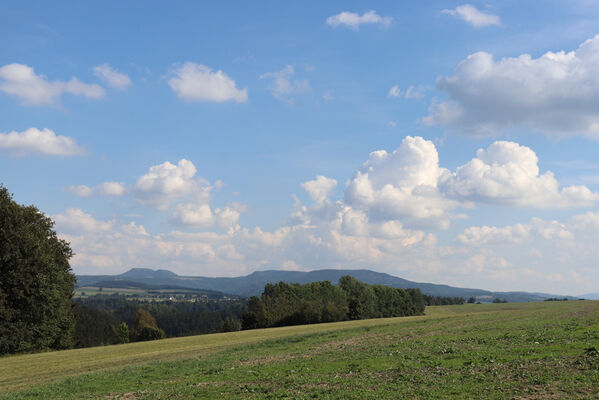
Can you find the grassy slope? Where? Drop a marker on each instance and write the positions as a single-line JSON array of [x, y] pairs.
[[530, 350]]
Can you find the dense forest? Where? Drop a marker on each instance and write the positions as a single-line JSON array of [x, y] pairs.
[[445, 301], [98, 318], [103, 319], [293, 304]]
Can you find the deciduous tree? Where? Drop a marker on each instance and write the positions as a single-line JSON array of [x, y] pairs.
[[36, 281]]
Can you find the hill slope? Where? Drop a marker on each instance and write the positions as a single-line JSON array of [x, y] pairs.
[[253, 284], [493, 351]]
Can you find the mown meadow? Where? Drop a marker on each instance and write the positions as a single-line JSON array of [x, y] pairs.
[[475, 351]]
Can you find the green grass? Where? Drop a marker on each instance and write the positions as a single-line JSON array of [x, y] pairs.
[[487, 351]]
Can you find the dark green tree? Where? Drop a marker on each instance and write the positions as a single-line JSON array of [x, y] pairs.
[[36, 281], [122, 333], [231, 325], [145, 327]]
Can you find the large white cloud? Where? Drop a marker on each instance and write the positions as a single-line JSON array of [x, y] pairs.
[[402, 185], [508, 173], [353, 20], [21, 81], [409, 185], [167, 182], [112, 77], [196, 82], [473, 16], [557, 93], [36, 141]]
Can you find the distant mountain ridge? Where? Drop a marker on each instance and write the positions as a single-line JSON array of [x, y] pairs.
[[589, 296], [253, 284]]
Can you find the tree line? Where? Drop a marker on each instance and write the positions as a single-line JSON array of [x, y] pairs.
[[293, 304], [445, 300], [101, 320]]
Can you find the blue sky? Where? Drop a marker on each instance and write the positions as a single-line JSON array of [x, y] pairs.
[[220, 139]]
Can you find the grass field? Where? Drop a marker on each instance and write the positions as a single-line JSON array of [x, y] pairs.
[[488, 351]]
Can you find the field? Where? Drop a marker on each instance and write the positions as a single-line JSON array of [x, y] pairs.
[[486, 351], [145, 294]]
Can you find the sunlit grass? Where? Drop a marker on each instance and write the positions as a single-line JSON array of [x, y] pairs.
[[480, 351]]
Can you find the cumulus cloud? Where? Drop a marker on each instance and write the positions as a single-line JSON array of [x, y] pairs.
[[112, 77], [21, 81], [36, 141], [557, 93], [353, 20], [167, 182], [484, 235], [508, 173], [105, 189], [202, 216], [197, 82], [473, 16], [320, 188], [402, 185], [283, 86], [409, 185]]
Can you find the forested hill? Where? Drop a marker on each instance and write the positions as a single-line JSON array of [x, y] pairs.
[[253, 284]]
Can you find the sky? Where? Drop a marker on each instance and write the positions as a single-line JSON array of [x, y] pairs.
[[437, 141]]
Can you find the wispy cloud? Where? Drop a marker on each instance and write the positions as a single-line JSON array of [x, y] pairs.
[[353, 20], [473, 16], [283, 85], [112, 77]]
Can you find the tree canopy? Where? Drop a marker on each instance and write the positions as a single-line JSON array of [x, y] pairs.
[[36, 281], [292, 304]]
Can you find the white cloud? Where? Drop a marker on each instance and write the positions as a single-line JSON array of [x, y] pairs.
[[81, 190], [283, 86], [354, 20], [199, 215], [485, 235], [35, 141], [111, 189], [508, 173], [395, 91], [409, 185], [202, 216], [320, 188], [402, 185], [411, 92], [76, 221], [557, 93], [112, 77], [473, 16], [105, 189], [414, 92], [196, 82], [21, 81], [166, 182]]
